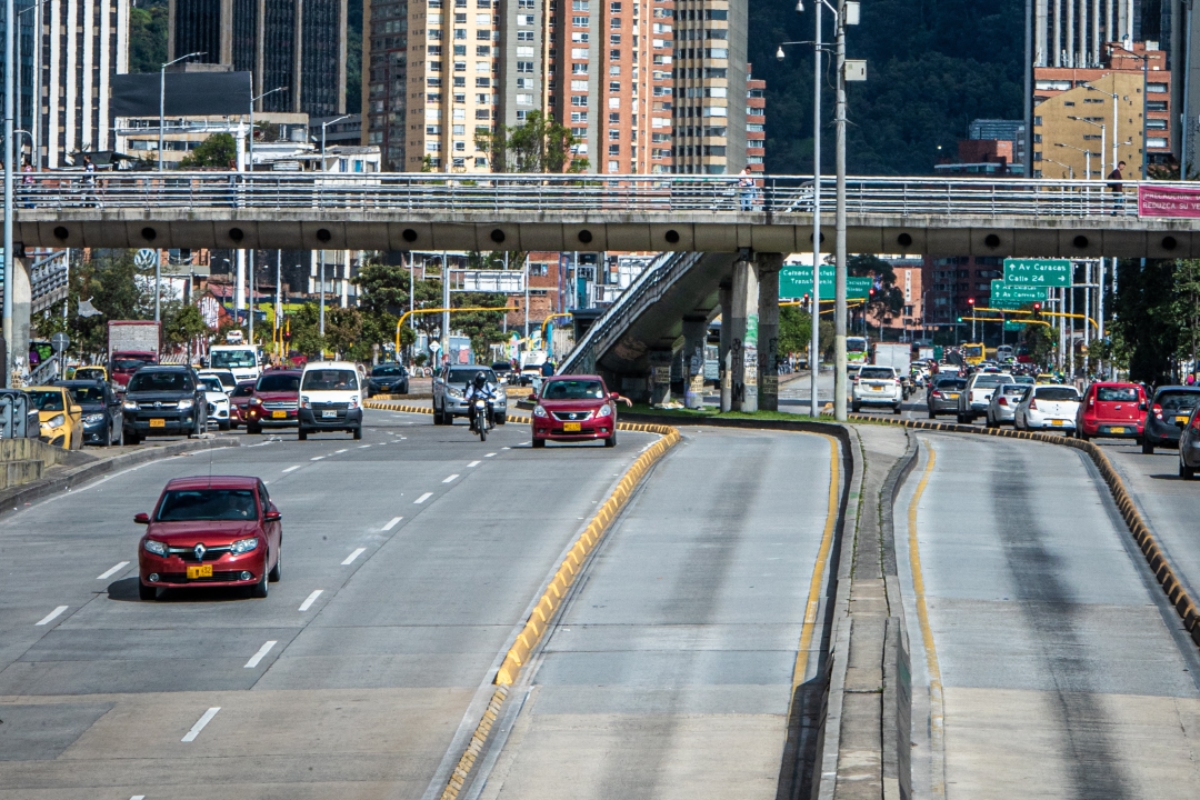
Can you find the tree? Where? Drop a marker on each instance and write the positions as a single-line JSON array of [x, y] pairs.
[[182, 323], [885, 301], [1146, 317], [343, 333], [218, 150], [148, 35], [538, 145]]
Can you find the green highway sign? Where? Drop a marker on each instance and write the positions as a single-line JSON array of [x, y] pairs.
[[795, 282], [1037, 271], [1013, 325], [1006, 303], [1007, 295]]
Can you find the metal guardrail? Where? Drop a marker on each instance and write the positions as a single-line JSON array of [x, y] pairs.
[[569, 195], [646, 288], [18, 418]]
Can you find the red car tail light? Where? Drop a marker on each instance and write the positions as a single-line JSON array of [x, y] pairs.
[[936, 395], [1195, 424], [1003, 401], [1033, 405], [1157, 409]]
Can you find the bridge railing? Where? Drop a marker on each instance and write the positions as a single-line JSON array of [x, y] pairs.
[[511, 193]]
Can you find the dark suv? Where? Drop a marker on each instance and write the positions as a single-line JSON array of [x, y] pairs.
[[388, 379], [164, 401]]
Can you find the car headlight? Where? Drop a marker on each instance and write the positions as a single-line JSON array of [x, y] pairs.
[[93, 419], [130, 405], [304, 402], [354, 402], [540, 412], [158, 548], [605, 411], [184, 405], [56, 421], [457, 393], [243, 546]]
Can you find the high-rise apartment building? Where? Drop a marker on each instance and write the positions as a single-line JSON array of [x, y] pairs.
[[711, 74], [1072, 33], [756, 123], [296, 44], [83, 47]]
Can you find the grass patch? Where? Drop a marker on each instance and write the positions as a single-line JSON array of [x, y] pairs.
[[713, 412]]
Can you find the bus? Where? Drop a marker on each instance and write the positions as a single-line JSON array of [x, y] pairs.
[[856, 350], [973, 353]]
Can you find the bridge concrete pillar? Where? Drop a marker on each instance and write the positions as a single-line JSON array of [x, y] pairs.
[[660, 375], [695, 336], [769, 265], [744, 332], [724, 367], [16, 331]]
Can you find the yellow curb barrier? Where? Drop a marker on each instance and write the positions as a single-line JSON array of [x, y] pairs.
[[1185, 607]]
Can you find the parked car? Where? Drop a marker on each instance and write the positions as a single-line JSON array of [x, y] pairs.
[[943, 394], [225, 376], [1113, 410], [449, 389], [504, 372], [275, 401], [164, 400], [218, 401], [977, 395], [211, 531], [238, 401], [876, 386], [330, 399], [1167, 416], [1002, 408], [88, 374], [1052, 406], [575, 408], [388, 379], [103, 420], [60, 419]]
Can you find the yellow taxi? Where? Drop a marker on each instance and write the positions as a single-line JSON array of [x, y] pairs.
[[90, 374], [61, 419], [1044, 378]]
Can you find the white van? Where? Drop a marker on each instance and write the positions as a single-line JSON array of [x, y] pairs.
[[240, 359], [331, 394]]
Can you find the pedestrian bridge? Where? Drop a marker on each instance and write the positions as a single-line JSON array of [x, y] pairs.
[[425, 211]]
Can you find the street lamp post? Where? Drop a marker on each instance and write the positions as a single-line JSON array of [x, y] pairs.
[[325, 125], [162, 101], [252, 102], [37, 6], [1103, 139], [1087, 156], [1070, 170], [9, 269]]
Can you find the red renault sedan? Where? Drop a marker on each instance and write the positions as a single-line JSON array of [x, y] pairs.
[[218, 531], [1115, 410], [574, 408]]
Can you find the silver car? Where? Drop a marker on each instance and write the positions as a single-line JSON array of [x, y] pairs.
[[1003, 406], [973, 402], [449, 394]]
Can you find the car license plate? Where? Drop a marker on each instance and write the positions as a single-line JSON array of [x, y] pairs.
[[283, 414], [571, 427], [328, 415], [1116, 430], [158, 423], [202, 571], [875, 388], [952, 396], [1181, 420], [1057, 423]]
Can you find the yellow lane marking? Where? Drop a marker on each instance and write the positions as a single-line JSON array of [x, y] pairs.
[[800, 671], [936, 713]]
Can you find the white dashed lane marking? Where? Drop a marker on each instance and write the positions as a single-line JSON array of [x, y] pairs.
[[422, 498], [312, 598], [191, 735], [262, 652], [53, 615], [108, 573], [358, 552]]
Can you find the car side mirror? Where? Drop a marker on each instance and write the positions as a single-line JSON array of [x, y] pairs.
[[272, 516], [142, 519], [1142, 407], [533, 396], [614, 396]]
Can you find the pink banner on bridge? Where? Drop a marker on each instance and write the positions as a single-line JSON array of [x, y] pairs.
[[1168, 201]]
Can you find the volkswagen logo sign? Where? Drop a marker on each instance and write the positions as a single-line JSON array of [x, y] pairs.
[[199, 550], [158, 403]]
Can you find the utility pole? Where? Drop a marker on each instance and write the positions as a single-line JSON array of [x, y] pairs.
[[814, 345], [9, 261], [839, 337], [445, 305]]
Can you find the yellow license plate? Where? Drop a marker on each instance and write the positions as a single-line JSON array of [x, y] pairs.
[[1057, 423], [158, 423], [1116, 430], [571, 427], [1181, 420], [952, 396], [278, 415], [202, 571]]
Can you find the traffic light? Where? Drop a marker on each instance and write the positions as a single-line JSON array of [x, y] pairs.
[[971, 302], [1037, 307], [287, 329], [960, 319]]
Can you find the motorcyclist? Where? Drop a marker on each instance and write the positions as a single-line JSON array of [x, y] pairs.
[[481, 387]]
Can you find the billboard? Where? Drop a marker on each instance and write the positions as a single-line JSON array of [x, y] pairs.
[[185, 94]]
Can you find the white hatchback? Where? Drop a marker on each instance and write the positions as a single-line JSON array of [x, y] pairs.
[[331, 395], [876, 386], [1048, 407]]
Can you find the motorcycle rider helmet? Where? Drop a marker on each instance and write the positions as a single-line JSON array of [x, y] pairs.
[[480, 380]]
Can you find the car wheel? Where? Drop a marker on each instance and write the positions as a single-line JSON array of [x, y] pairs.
[[896, 408], [539, 443], [223, 425], [132, 439], [277, 571], [147, 592], [611, 441], [253, 430], [932, 414], [120, 436], [501, 419], [1186, 472], [855, 407], [1147, 446], [302, 435], [260, 589], [358, 433], [962, 418], [108, 436]]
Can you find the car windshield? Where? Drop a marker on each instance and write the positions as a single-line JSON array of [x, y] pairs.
[[1060, 393], [224, 378], [211, 384], [1011, 389], [1116, 394], [876, 373], [468, 375], [952, 383], [318, 380], [243, 390], [990, 381], [229, 359], [1178, 401], [500, 366], [159, 382], [89, 395], [47, 400], [1027, 379], [279, 383], [89, 374], [573, 390], [392, 370], [127, 364], [207, 504]]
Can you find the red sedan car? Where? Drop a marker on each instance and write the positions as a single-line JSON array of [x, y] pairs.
[[218, 531], [574, 408], [1116, 410], [276, 401], [239, 401]]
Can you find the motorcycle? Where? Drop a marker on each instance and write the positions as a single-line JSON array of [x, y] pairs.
[[479, 418]]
